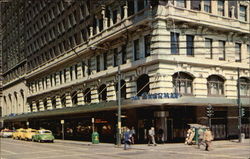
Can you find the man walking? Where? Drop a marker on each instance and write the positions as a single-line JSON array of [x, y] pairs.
[[200, 137], [208, 137], [127, 140], [151, 136]]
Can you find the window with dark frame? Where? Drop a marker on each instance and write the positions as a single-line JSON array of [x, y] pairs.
[[98, 64], [147, 42], [190, 45], [136, 50], [221, 7], [237, 52], [76, 72], [105, 61], [209, 47], [207, 6], [181, 3], [243, 13], [174, 43], [183, 83], [244, 87], [140, 5], [196, 4], [115, 57], [124, 54], [215, 85], [222, 50]]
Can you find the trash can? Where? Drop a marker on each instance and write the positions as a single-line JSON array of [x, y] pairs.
[[95, 138], [242, 137]]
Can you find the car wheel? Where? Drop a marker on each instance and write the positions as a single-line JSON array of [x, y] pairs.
[[40, 141], [52, 141]]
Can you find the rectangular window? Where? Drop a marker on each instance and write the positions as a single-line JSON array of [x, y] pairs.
[[233, 4], [98, 63], [105, 61], [83, 69], [196, 5], [190, 45], [237, 52], [209, 47], [89, 66], [76, 72], [71, 73], [207, 6], [65, 75], [131, 7], [221, 7], [243, 13], [140, 5], [136, 50], [114, 16], [115, 55], [174, 43], [124, 54], [147, 45], [181, 3], [222, 50]]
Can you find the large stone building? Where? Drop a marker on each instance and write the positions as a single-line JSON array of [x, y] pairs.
[[61, 61]]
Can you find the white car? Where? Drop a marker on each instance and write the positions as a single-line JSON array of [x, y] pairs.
[[6, 133]]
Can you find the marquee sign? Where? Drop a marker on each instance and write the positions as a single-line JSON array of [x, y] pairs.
[[157, 96]]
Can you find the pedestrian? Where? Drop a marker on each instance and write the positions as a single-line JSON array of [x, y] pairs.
[[132, 134], [208, 137], [160, 135], [127, 140], [151, 136], [200, 137], [190, 136]]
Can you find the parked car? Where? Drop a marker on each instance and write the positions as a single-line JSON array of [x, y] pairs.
[[27, 135], [18, 133], [43, 135], [6, 133]]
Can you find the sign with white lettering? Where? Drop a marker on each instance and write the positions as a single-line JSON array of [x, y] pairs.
[[145, 96]]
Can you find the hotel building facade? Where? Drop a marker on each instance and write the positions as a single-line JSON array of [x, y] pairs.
[[61, 61]]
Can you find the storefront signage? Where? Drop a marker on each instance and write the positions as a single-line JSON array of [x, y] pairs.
[[157, 96]]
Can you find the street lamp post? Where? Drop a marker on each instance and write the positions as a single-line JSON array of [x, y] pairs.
[[239, 103], [119, 107]]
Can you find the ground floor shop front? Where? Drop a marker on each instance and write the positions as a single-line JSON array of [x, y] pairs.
[[171, 123]]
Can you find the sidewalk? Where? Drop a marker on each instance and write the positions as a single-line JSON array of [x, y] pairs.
[[221, 143]]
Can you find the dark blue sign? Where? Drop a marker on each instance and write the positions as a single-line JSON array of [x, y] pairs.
[[157, 96]]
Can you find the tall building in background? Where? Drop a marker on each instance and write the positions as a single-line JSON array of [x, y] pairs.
[[61, 61]]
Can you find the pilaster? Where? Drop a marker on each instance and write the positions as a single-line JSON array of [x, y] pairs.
[[68, 100], [80, 97], [41, 105]]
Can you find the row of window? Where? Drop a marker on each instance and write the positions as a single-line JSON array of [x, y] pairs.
[[182, 82], [207, 5], [209, 47]]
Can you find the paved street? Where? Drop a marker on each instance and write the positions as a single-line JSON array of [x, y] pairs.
[[13, 149]]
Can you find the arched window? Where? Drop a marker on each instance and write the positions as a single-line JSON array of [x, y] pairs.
[[102, 93], [215, 85], [87, 95], [123, 89], [74, 98], [45, 104], [183, 83], [37, 106], [244, 87], [53, 101], [63, 100], [142, 84]]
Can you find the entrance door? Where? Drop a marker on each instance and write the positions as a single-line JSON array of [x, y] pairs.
[[169, 130]]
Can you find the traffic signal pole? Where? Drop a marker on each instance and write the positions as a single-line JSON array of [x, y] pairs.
[[239, 103]]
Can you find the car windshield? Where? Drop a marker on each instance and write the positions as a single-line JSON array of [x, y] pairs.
[[45, 132], [33, 131]]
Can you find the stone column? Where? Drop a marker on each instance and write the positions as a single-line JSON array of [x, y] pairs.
[[119, 15], [97, 25], [34, 107], [125, 9], [68, 100], [79, 70], [44, 83], [41, 105], [63, 80], [202, 5], [58, 102], [94, 95], [214, 7], [183, 44], [53, 81], [48, 82], [91, 30], [73, 73], [57, 78], [111, 17], [40, 86], [29, 108], [131, 87], [188, 3], [111, 92], [226, 8], [49, 103], [80, 97], [67, 74]]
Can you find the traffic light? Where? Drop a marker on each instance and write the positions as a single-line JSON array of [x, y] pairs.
[[210, 111], [242, 112]]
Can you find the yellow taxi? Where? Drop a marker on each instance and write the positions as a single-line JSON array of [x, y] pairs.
[[27, 135], [18, 133]]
